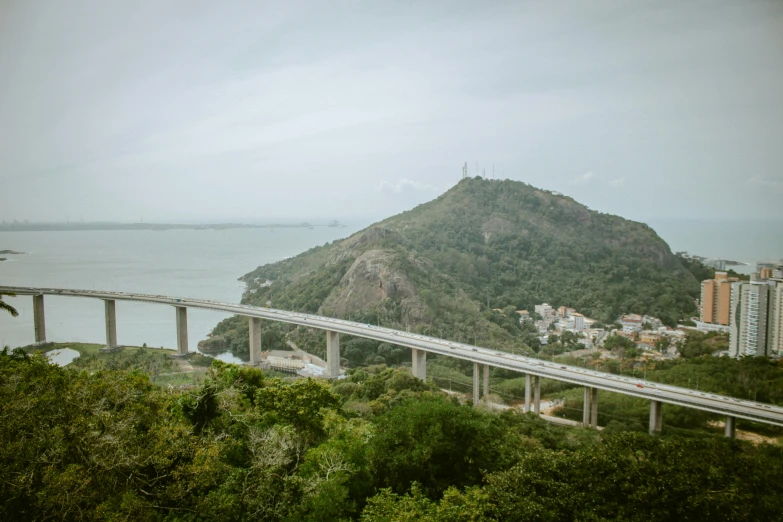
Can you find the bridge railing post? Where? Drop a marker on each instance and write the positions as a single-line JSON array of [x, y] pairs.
[[332, 354], [182, 330], [39, 320], [254, 331], [656, 417]]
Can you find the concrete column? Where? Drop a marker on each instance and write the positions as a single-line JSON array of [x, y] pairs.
[[537, 395], [254, 330], [332, 354], [485, 381], [182, 330], [39, 322], [594, 407], [111, 325], [527, 392], [419, 364], [656, 417], [475, 383], [586, 408], [730, 431]]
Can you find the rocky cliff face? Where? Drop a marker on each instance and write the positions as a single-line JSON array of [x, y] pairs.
[[370, 280]]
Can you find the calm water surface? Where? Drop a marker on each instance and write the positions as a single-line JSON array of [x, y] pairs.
[[185, 263]]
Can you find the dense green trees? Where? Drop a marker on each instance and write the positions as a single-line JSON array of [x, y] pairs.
[[379, 445]]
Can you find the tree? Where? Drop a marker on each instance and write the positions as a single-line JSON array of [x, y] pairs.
[[7, 307]]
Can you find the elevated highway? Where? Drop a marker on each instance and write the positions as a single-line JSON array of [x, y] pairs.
[[482, 358]]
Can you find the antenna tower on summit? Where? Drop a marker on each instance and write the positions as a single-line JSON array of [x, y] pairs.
[[465, 170]]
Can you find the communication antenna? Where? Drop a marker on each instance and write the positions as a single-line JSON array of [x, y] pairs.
[[493, 171], [477, 168], [465, 170]]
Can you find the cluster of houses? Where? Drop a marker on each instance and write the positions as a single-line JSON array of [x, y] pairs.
[[647, 332]]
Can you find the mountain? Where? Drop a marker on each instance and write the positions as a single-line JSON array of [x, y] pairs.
[[449, 265]]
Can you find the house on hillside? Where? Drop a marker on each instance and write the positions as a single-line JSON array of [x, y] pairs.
[[631, 323]]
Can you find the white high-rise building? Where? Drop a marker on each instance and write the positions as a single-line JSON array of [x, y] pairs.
[[748, 322]]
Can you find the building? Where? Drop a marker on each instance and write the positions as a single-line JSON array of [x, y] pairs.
[[544, 310], [524, 315], [716, 299], [565, 312], [649, 338], [579, 321], [631, 323], [748, 328], [775, 318]]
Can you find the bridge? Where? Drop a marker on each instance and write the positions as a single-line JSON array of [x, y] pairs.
[[482, 358]]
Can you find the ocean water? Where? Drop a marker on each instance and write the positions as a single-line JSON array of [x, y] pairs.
[[747, 241], [179, 263]]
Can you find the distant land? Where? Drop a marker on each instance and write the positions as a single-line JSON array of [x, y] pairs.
[[67, 227]]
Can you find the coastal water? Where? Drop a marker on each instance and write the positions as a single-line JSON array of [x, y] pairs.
[[180, 263], [746, 241]]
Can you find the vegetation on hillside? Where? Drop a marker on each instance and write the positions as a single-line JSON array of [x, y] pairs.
[[449, 265], [380, 445]]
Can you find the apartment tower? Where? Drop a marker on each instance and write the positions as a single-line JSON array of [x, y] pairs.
[[716, 299], [748, 333]]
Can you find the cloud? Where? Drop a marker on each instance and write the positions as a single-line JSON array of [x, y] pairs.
[[619, 182], [405, 185], [583, 179]]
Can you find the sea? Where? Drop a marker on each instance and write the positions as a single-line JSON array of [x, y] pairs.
[[202, 264], [207, 264]]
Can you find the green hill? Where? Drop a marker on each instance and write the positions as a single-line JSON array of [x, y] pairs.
[[447, 265]]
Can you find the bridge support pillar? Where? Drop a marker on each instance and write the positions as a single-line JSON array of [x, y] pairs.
[[590, 411], [528, 379], [485, 381], [332, 354], [182, 330], [537, 395], [730, 431], [586, 408], [254, 330], [656, 417], [111, 326], [39, 322], [476, 389], [419, 363]]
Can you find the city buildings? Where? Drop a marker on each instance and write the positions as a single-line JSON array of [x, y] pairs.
[[631, 323], [756, 316], [748, 329], [716, 299], [544, 310], [775, 319]]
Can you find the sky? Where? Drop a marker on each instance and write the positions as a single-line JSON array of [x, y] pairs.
[[203, 111]]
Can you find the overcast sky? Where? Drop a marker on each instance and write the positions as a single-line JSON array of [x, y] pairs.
[[210, 111]]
